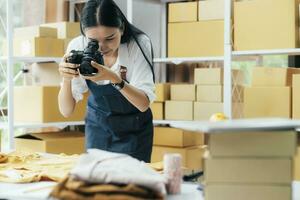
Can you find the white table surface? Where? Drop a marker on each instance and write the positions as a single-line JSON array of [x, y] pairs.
[[21, 191]]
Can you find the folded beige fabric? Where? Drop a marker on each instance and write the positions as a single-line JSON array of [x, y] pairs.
[[27, 167]]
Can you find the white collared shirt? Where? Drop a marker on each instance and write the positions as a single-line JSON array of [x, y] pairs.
[[130, 56]]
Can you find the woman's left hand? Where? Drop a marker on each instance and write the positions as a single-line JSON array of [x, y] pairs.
[[104, 73]]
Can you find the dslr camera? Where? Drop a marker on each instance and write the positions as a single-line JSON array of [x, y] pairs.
[[84, 58]]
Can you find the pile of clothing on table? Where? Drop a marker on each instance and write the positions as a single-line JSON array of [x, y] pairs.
[[105, 175], [21, 167]]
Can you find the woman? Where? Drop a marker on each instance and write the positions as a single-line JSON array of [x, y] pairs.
[[118, 117]]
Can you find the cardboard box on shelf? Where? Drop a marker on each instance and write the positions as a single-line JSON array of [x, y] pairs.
[[179, 110], [296, 97], [268, 18], [157, 109], [162, 91], [39, 104], [258, 192], [267, 102], [35, 31], [214, 76], [173, 137], [183, 12], [56, 10], [296, 165], [56, 142], [248, 170], [210, 93], [273, 76], [204, 110], [45, 74], [38, 46], [191, 156], [185, 39], [66, 43], [65, 30], [211, 10], [253, 144], [183, 92]]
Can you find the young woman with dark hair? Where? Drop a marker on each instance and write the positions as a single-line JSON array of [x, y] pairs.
[[118, 117]]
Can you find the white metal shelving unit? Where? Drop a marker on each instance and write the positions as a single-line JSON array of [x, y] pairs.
[[228, 57]]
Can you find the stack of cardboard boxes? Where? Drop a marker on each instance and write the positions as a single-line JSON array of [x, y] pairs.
[[190, 145], [196, 28], [250, 165], [270, 93], [162, 91], [296, 115]]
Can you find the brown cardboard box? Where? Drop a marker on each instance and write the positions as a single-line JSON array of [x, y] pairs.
[[66, 43], [56, 10], [162, 91], [248, 192], [210, 93], [57, 142], [174, 137], [273, 76], [65, 29], [35, 31], [214, 76], [195, 39], [267, 102], [296, 165], [253, 144], [38, 46], [211, 10], [39, 104], [204, 110], [248, 170], [45, 74], [258, 24], [183, 12], [157, 109], [191, 156], [179, 110], [296, 97], [183, 92]]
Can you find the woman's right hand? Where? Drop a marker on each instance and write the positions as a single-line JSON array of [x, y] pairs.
[[68, 71]]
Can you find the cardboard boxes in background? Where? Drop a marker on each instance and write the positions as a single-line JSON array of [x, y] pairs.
[[35, 31], [45, 74], [273, 76], [267, 102], [162, 91], [183, 12], [211, 10], [195, 39], [296, 165], [56, 10], [204, 110], [56, 142], [158, 111], [296, 96], [65, 30], [214, 76], [268, 18], [39, 104], [172, 137], [183, 92], [179, 110], [191, 156]]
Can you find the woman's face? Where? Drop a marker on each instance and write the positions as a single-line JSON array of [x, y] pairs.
[[109, 38]]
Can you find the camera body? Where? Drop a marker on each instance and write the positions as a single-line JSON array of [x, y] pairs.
[[84, 58]]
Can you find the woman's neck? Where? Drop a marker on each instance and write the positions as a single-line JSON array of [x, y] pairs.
[[110, 60]]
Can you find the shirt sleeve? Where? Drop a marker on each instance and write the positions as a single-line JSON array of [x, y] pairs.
[[79, 86], [142, 77]]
